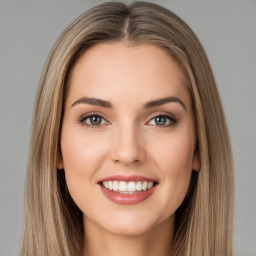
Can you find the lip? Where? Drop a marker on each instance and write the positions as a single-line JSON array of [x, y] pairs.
[[127, 178], [127, 199]]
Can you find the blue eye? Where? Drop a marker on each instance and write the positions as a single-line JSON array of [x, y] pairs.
[[92, 120], [95, 120], [163, 120]]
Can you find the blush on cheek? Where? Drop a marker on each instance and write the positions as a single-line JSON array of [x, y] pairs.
[[176, 166], [178, 156]]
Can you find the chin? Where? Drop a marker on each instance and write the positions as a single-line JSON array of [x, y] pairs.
[[123, 229], [136, 224]]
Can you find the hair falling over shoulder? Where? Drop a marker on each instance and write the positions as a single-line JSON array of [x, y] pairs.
[[204, 221]]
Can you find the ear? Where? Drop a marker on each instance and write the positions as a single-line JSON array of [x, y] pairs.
[[196, 163], [60, 164]]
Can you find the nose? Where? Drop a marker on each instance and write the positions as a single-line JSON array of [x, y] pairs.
[[128, 148]]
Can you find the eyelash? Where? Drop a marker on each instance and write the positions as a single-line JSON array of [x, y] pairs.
[[172, 120]]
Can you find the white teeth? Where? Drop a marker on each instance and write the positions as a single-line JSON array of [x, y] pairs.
[[105, 184], [115, 186], [144, 185], [131, 186], [122, 186], [150, 185], [127, 187], [110, 185], [139, 186]]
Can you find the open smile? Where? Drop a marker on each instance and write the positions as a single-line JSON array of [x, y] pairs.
[[127, 190]]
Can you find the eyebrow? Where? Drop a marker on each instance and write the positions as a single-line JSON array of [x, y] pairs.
[[107, 104], [93, 101], [163, 101]]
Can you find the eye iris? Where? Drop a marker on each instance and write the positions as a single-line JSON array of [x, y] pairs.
[[160, 120], [95, 120]]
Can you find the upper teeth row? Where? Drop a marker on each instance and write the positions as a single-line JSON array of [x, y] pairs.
[[131, 186]]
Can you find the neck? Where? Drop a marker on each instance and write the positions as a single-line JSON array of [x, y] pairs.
[[155, 242]]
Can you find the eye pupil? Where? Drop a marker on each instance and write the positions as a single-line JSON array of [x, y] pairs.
[[160, 120], [95, 120]]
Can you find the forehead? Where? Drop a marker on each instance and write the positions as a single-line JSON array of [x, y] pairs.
[[118, 71]]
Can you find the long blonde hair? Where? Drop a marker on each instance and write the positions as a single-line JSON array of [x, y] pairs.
[[204, 222]]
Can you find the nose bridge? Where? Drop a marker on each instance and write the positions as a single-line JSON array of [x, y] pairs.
[[128, 146]]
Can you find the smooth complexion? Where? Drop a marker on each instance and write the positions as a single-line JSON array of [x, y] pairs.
[[128, 135]]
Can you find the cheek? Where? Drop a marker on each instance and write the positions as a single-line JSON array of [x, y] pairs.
[[176, 166], [81, 151], [174, 162], [82, 157], [174, 152]]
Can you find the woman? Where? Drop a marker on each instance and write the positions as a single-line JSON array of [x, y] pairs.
[[130, 153]]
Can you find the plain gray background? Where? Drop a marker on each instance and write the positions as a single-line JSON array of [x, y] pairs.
[[28, 29]]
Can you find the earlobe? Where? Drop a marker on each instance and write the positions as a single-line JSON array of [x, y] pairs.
[[60, 164], [196, 164]]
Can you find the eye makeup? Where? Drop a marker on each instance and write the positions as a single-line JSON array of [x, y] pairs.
[[96, 120]]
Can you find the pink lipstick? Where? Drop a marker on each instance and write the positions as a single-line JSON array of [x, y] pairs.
[[127, 190]]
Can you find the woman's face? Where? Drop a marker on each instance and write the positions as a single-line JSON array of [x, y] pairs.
[[128, 125]]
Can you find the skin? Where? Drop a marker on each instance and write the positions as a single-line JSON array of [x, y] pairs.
[[128, 141]]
